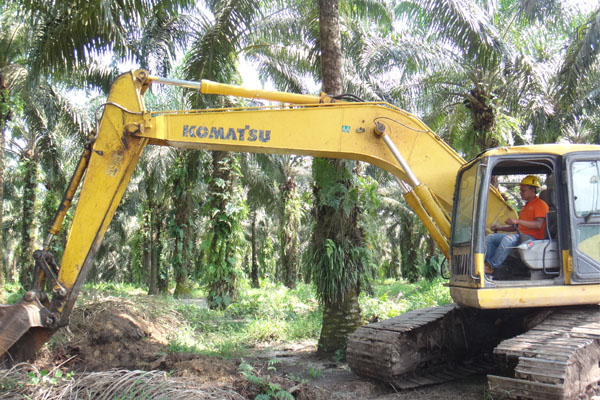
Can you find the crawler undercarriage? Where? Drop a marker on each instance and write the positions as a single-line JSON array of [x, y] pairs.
[[527, 353]]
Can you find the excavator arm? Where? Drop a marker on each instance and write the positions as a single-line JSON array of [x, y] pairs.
[[377, 133]]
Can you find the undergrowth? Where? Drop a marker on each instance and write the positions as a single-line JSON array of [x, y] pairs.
[[271, 314], [392, 298]]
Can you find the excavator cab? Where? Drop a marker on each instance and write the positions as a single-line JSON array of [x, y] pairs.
[[531, 259], [566, 260]]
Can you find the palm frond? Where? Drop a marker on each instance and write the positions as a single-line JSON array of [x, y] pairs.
[[214, 50], [582, 55], [65, 34], [466, 25], [376, 14]]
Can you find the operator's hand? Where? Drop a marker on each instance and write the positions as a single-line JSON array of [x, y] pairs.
[[494, 227]]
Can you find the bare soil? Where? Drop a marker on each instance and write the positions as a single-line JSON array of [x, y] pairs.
[[115, 334]]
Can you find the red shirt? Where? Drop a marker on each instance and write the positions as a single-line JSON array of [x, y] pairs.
[[535, 208]]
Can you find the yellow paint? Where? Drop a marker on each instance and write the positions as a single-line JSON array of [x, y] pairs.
[[441, 241], [520, 297], [567, 266], [558, 149], [113, 160], [210, 87], [338, 130], [433, 209], [478, 259]]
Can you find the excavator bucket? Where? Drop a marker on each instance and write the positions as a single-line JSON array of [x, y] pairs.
[[22, 331]]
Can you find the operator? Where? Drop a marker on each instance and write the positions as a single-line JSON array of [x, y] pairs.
[[531, 221]]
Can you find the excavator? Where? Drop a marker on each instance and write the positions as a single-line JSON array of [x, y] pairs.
[[535, 328]]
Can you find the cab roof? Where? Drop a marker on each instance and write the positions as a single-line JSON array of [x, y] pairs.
[[556, 149]]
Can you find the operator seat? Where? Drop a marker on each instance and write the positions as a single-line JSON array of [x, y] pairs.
[[542, 256]]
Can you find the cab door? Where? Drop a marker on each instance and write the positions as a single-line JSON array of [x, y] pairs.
[[583, 185]]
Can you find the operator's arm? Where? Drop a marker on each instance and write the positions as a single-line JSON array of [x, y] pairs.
[[502, 228], [537, 223]]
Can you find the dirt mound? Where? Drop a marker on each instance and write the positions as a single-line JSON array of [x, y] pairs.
[[114, 333]]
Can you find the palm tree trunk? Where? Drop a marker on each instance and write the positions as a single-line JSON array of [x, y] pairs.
[[4, 118], [341, 314], [149, 249], [288, 234], [408, 249], [28, 211], [162, 274], [394, 263], [339, 321], [180, 260], [181, 228], [331, 47], [5, 115], [221, 274], [254, 268]]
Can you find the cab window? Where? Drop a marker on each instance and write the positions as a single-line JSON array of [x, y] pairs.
[[468, 188], [586, 196]]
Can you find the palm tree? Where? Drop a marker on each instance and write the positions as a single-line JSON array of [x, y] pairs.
[[494, 82], [337, 235], [572, 100], [300, 36], [43, 117], [213, 55], [273, 182], [155, 205], [12, 40], [260, 196]]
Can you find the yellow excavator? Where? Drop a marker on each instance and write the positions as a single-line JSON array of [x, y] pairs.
[[538, 322]]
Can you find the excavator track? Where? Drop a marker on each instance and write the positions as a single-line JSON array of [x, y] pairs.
[[558, 359], [424, 347], [390, 348], [548, 354]]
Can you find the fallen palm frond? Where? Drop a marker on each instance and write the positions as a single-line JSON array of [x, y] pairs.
[[26, 381]]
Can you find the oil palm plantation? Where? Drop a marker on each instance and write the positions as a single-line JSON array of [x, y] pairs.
[[44, 43], [273, 184]]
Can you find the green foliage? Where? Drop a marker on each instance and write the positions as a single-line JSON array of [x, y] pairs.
[[13, 292], [339, 269], [226, 209], [393, 298], [115, 289], [271, 314], [313, 372], [339, 258], [53, 377], [335, 191], [9, 385], [269, 389], [433, 268]]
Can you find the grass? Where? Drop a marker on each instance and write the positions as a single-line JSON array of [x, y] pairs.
[[392, 298], [267, 315], [271, 314], [275, 314]]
